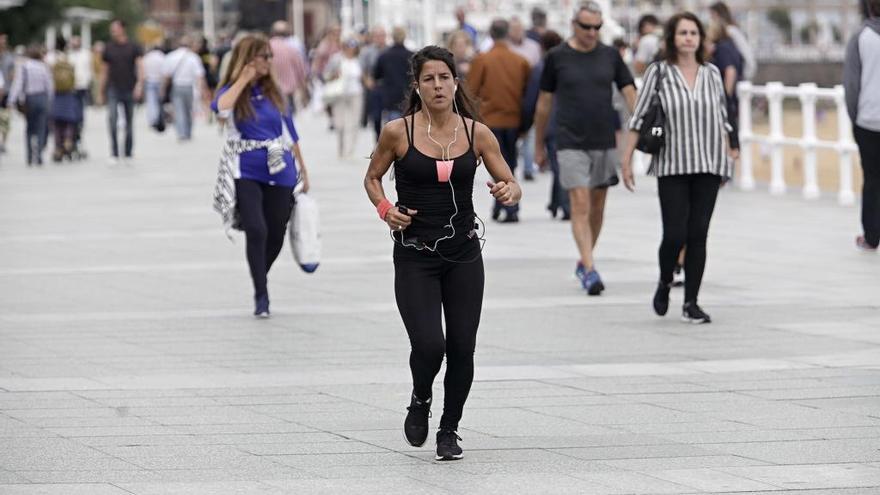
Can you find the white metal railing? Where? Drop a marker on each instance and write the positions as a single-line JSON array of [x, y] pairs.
[[808, 94]]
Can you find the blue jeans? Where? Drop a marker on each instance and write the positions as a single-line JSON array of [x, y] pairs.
[[115, 98], [153, 101], [37, 130], [182, 98], [527, 152]]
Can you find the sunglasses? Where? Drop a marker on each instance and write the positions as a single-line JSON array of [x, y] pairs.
[[587, 27]]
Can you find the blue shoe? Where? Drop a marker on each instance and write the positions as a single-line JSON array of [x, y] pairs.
[[262, 306], [580, 272], [594, 283]]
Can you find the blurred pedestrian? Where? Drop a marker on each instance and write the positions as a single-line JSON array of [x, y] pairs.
[[154, 77], [462, 47], [724, 55], [7, 71], [122, 83], [461, 19], [558, 196], [288, 64], [66, 110], [330, 44], [530, 50], [369, 57], [260, 149], [97, 68], [699, 145], [81, 58], [392, 75], [184, 69], [721, 16], [580, 74], [344, 69], [498, 79], [31, 91], [539, 24], [861, 78], [648, 44], [436, 149]]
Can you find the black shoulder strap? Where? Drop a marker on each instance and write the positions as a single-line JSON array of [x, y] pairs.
[[470, 135], [409, 138], [661, 71]]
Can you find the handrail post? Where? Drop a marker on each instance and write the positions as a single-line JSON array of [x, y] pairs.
[[845, 196], [807, 95], [777, 175], [746, 175]]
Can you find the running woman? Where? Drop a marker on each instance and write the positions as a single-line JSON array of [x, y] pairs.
[[436, 148]]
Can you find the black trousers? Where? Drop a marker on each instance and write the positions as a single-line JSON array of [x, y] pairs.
[[507, 141], [686, 206], [869, 151], [423, 283], [264, 212]]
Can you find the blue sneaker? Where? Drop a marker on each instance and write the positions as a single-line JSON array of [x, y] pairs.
[[593, 283], [262, 306], [580, 272], [590, 280]]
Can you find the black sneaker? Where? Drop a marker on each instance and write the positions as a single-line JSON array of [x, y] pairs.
[[691, 313], [661, 299], [415, 426], [447, 446]]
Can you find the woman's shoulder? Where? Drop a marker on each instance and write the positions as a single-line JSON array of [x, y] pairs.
[[396, 129], [712, 68]]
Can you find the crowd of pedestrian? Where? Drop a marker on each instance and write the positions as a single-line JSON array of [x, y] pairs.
[[514, 96]]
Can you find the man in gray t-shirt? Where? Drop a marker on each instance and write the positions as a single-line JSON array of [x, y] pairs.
[[579, 74]]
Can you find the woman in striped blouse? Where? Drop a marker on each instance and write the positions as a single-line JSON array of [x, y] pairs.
[[698, 155]]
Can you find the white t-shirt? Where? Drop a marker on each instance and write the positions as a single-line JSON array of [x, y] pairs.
[[154, 61], [184, 67], [649, 45], [82, 67], [350, 71]]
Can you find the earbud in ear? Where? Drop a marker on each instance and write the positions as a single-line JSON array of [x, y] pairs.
[[418, 92], [454, 89]]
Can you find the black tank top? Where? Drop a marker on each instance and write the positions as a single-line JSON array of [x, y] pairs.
[[419, 188]]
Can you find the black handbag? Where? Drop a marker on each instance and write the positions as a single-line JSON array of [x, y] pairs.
[[652, 134]]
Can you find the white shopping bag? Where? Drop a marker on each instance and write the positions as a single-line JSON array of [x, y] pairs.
[[304, 232]]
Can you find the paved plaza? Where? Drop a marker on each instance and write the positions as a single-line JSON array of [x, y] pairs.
[[130, 362]]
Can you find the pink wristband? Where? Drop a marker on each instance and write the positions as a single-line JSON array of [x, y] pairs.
[[383, 207]]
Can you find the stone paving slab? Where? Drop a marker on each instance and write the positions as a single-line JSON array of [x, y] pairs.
[[129, 363]]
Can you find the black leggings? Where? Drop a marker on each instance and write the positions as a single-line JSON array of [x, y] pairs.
[[686, 205], [264, 212], [422, 283]]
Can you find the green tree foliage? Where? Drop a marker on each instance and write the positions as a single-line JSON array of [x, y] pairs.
[[28, 22]]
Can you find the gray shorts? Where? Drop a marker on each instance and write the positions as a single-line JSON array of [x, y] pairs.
[[593, 169]]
